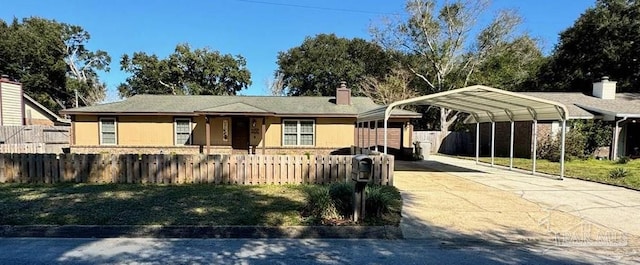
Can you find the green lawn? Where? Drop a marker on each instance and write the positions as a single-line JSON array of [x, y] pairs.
[[122, 204], [137, 204], [591, 169]]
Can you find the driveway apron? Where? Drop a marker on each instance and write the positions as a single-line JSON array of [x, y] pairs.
[[453, 199]]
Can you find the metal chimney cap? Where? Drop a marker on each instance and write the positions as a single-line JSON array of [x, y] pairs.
[[343, 84], [605, 78]]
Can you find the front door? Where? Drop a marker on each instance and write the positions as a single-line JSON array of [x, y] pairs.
[[240, 133]]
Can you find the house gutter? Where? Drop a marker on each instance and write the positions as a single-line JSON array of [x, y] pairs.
[[616, 137]]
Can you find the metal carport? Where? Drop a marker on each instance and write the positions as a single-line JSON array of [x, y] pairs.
[[486, 104]]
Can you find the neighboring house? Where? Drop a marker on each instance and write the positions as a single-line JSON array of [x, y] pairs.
[[226, 124], [18, 109], [622, 110]]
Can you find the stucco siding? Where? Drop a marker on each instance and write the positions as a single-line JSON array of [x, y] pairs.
[[154, 131], [216, 127], [273, 135], [86, 130], [145, 130], [335, 132], [11, 104]]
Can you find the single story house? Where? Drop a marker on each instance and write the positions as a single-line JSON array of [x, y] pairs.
[[622, 110], [227, 124], [18, 109]]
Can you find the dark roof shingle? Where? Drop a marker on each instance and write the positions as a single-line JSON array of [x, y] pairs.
[[231, 104]]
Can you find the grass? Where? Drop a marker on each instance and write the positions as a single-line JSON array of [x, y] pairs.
[[136, 204], [590, 169], [121, 204]]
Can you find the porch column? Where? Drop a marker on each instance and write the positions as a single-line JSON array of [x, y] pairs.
[[207, 133], [355, 139], [264, 132], [72, 138], [402, 129]]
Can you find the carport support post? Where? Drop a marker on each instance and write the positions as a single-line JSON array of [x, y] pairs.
[[376, 135], [369, 135], [564, 135], [386, 120], [477, 142], [493, 142], [534, 155], [511, 146]]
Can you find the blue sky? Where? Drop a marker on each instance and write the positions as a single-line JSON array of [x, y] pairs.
[[257, 30]]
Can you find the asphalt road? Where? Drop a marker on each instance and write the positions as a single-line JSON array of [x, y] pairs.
[[291, 251]]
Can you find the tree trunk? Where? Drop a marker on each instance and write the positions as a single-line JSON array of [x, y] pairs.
[[445, 123]]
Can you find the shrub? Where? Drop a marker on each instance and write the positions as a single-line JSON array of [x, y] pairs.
[[335, 201], [320, 205], [623, 160], [619, 173], [342, 195], [575, 143], [597, 133], [381, 200]]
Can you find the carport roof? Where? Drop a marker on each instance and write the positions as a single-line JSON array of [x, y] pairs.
[[485, 104]]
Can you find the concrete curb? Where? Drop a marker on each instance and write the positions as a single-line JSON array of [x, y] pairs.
[[158, 231]]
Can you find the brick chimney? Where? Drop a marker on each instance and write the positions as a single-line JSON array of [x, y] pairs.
[[343, 94], [604, 89]]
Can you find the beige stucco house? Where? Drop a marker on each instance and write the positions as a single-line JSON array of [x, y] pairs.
[[226, 124]]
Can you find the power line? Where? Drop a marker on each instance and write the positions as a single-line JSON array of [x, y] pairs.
[[317, 7]]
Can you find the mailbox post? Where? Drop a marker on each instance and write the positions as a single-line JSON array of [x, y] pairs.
[[361, 172]]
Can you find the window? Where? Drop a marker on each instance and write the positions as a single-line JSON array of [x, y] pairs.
[[108, 134], [298, 133], [182, 128]]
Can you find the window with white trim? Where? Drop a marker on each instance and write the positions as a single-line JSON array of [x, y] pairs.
[[108, 133], [298, 133], [182, 129]]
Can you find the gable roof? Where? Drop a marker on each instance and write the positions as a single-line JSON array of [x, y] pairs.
[[265, 105], [237, 107], [483, 103], [583, 106], [54, 117]]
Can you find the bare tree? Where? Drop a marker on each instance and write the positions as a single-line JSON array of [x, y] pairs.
[[394, 87], [276, 85], [438, 35]]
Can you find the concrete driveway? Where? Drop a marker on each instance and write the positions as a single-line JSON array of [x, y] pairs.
[[456, 200]]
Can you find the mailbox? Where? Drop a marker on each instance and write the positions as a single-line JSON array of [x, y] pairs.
[[361, 168]]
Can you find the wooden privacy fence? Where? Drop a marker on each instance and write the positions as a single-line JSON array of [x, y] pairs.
[[34, 134], [452, 143], [180, 169], [29, 148]]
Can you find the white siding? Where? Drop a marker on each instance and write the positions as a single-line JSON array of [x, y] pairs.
[[11, 104]]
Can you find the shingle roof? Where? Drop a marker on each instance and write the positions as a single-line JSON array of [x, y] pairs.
[[236, 104], [583, 106]]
